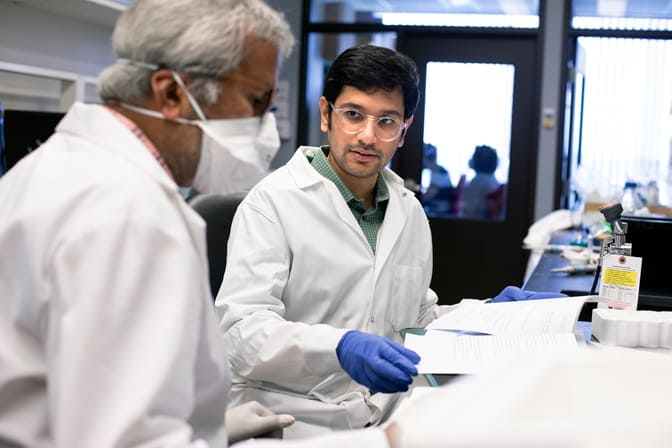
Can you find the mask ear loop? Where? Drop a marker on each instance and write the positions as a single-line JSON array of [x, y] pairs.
[[191, 99]]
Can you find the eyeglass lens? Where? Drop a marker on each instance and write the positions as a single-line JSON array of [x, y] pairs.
[[352, 121]]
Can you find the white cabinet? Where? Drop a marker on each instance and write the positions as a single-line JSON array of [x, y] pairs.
[[98, 12], [27, 87], [52, 51]]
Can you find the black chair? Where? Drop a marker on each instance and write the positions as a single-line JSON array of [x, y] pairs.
[[217, 211]]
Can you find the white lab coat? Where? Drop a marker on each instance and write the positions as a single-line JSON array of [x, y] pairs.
[[108, 333], [299, 274], [106, 326]]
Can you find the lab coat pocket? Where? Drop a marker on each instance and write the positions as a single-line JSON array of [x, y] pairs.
[[405, 297]]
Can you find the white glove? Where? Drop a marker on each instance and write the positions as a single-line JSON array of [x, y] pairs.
[[254, 420]]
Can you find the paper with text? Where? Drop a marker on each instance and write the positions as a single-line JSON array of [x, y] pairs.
[[443, 352], [529, 316]]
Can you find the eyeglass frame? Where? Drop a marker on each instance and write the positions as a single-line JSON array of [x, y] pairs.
[[403, 124], [265, 103]]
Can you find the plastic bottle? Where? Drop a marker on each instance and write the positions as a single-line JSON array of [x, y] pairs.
[[630, 198], [652, 193]]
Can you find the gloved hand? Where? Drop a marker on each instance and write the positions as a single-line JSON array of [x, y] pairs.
[[254, 420], [376, 362], [515, 294]]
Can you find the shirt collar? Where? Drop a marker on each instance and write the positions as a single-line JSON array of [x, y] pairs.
[[321, 164], [144, 139]]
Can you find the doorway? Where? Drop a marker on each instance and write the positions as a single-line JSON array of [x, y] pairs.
[[478, 92]]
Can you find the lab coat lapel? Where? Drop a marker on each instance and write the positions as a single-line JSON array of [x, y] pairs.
[[345, 214], [98, 125], [305, 176], [395, 219]]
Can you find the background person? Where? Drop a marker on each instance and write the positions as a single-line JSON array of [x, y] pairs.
[[484, 162], [438, 197]]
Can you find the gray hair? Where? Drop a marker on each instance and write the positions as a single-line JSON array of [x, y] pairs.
[[198, 37]]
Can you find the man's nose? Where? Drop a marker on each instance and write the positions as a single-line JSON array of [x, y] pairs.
[[368, 132]]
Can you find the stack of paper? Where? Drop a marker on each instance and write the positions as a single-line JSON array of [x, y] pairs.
[[477, 335], [629, 328], [588, 398]]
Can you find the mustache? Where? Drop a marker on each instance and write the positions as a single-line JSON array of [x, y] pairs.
[[368, 148]]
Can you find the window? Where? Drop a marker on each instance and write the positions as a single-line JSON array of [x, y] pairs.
[[467, 105], [622, 102], [626, 114], [464, 13]]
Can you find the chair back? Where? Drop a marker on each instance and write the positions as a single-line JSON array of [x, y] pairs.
[[217, 211], [496, 200], [457, 195]]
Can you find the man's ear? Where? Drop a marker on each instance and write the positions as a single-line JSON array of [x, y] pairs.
[[403, 133], [324, 114], [169, 97]]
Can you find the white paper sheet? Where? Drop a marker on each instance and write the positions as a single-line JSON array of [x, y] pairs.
[[530, 316], [587, 398], [444, 352]]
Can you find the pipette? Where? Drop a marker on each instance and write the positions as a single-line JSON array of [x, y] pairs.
[[577, 269]]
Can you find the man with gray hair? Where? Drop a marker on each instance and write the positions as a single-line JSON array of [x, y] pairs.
[[109, 336]]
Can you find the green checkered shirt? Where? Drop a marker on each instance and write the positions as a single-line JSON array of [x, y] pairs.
[[369, 219]]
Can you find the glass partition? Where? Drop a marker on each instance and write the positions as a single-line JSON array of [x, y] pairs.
[[631, 15], [467, 136], [474, 13], [620, 114]]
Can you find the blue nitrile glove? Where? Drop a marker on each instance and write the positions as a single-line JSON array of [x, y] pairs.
[[515, 294], [376, 362]]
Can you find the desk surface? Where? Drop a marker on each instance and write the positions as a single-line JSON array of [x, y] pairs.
[[542, 279]]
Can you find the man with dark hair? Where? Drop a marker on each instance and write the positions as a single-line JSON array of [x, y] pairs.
[[329, 257]]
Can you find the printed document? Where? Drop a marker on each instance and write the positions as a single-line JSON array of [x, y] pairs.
[[475, 336], [444, 352], [528, 316]]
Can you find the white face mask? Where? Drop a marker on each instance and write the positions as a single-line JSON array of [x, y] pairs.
[[236, 153]]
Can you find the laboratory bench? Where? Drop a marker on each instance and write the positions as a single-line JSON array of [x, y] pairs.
[[542, 278]]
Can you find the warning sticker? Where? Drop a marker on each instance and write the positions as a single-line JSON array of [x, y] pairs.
[[620, 277], [620, 281]]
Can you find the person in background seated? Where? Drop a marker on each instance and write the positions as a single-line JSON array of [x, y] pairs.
[[330, 257], [484, 162], [109, 337], [437, 198]]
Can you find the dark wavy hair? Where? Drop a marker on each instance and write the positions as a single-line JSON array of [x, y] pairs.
[[484, 160], [370, 68]]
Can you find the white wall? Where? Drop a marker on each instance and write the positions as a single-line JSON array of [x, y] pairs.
[[66, 53], [551, 85], [34, 37]]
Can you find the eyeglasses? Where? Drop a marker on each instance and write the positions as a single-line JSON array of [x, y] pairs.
[[353, 122], [260, 102]]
